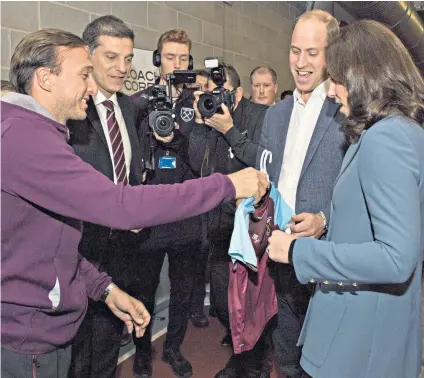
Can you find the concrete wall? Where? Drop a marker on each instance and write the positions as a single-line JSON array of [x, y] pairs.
[[245, 33], [336, 10]]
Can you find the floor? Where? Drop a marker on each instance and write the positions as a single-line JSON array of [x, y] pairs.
[[201, 347]]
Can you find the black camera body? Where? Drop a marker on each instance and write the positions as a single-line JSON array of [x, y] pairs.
[[210, 102], [218, 75], [160, 107]]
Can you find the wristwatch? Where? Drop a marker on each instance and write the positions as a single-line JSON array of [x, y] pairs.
[[324, 218], [107, 291]]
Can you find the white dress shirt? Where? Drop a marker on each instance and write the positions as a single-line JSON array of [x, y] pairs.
[[101, 110], [302, 125]]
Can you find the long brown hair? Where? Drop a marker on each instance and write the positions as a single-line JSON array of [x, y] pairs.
[[379, 74]]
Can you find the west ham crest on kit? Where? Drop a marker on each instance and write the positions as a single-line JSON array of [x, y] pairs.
[[187, 114]]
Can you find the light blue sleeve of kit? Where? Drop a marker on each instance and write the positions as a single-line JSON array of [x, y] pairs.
[[241, 248], [282, 211]]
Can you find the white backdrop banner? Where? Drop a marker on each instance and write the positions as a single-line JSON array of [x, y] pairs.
[[142, 74]]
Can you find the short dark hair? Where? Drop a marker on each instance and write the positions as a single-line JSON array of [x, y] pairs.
[[380, 76], [202, 72], [174, 35], [233, 76], [288, 92], [39, 49], [110, 26], [264, 70]]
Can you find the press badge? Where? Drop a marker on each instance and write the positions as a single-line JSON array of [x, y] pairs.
[[167, 162]]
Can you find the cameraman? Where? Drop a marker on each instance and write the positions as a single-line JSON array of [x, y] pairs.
[[180, 241], [227, 143], [173, 53]]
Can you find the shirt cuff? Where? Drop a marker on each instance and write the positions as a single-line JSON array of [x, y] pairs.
[[233, 135], [291, 248]]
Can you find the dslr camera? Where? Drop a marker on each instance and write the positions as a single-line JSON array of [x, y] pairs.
[[159, 104], [210, 102]]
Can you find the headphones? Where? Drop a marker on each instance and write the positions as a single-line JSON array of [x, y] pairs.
[[157, 60]]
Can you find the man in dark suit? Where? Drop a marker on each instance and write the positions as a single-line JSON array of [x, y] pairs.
[[107, 139], [303, 134]]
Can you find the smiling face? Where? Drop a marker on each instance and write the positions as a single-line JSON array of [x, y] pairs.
[[111, 60], [74, 84], [307, 55]]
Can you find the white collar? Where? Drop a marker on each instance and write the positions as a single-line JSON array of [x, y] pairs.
[[320, 91], [99, 98]]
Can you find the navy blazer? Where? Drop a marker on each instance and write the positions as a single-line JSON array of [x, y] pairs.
[[364, 319]]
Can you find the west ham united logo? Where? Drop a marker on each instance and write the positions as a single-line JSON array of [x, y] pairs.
[[187, 114]]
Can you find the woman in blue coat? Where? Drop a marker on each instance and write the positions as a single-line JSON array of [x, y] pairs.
[[364, 319]]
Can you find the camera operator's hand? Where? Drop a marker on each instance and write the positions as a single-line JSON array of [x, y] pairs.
[[167, 139], [221, 122], [199, 118], [249, 182]]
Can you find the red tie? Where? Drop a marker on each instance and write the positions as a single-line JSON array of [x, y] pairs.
[[117, 144]]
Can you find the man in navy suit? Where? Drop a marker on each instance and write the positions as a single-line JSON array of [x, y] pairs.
[[113, 149], [303, 134]]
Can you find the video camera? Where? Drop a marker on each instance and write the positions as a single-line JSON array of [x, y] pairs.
[[210, 102], [160, 106]]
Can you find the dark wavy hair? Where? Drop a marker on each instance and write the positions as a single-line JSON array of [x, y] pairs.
[[379, 74]]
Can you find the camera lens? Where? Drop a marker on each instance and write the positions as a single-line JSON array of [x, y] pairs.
[[162, 122], [164, 125], [207, 105]]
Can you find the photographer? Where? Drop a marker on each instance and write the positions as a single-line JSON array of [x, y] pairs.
[[202, 78], [167, 162], [226, 143], [230, 139]]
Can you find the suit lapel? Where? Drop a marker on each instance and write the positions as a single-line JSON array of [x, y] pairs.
[[283, 128], [350, 154], [94, 119], [325, 118], [128, 114]]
